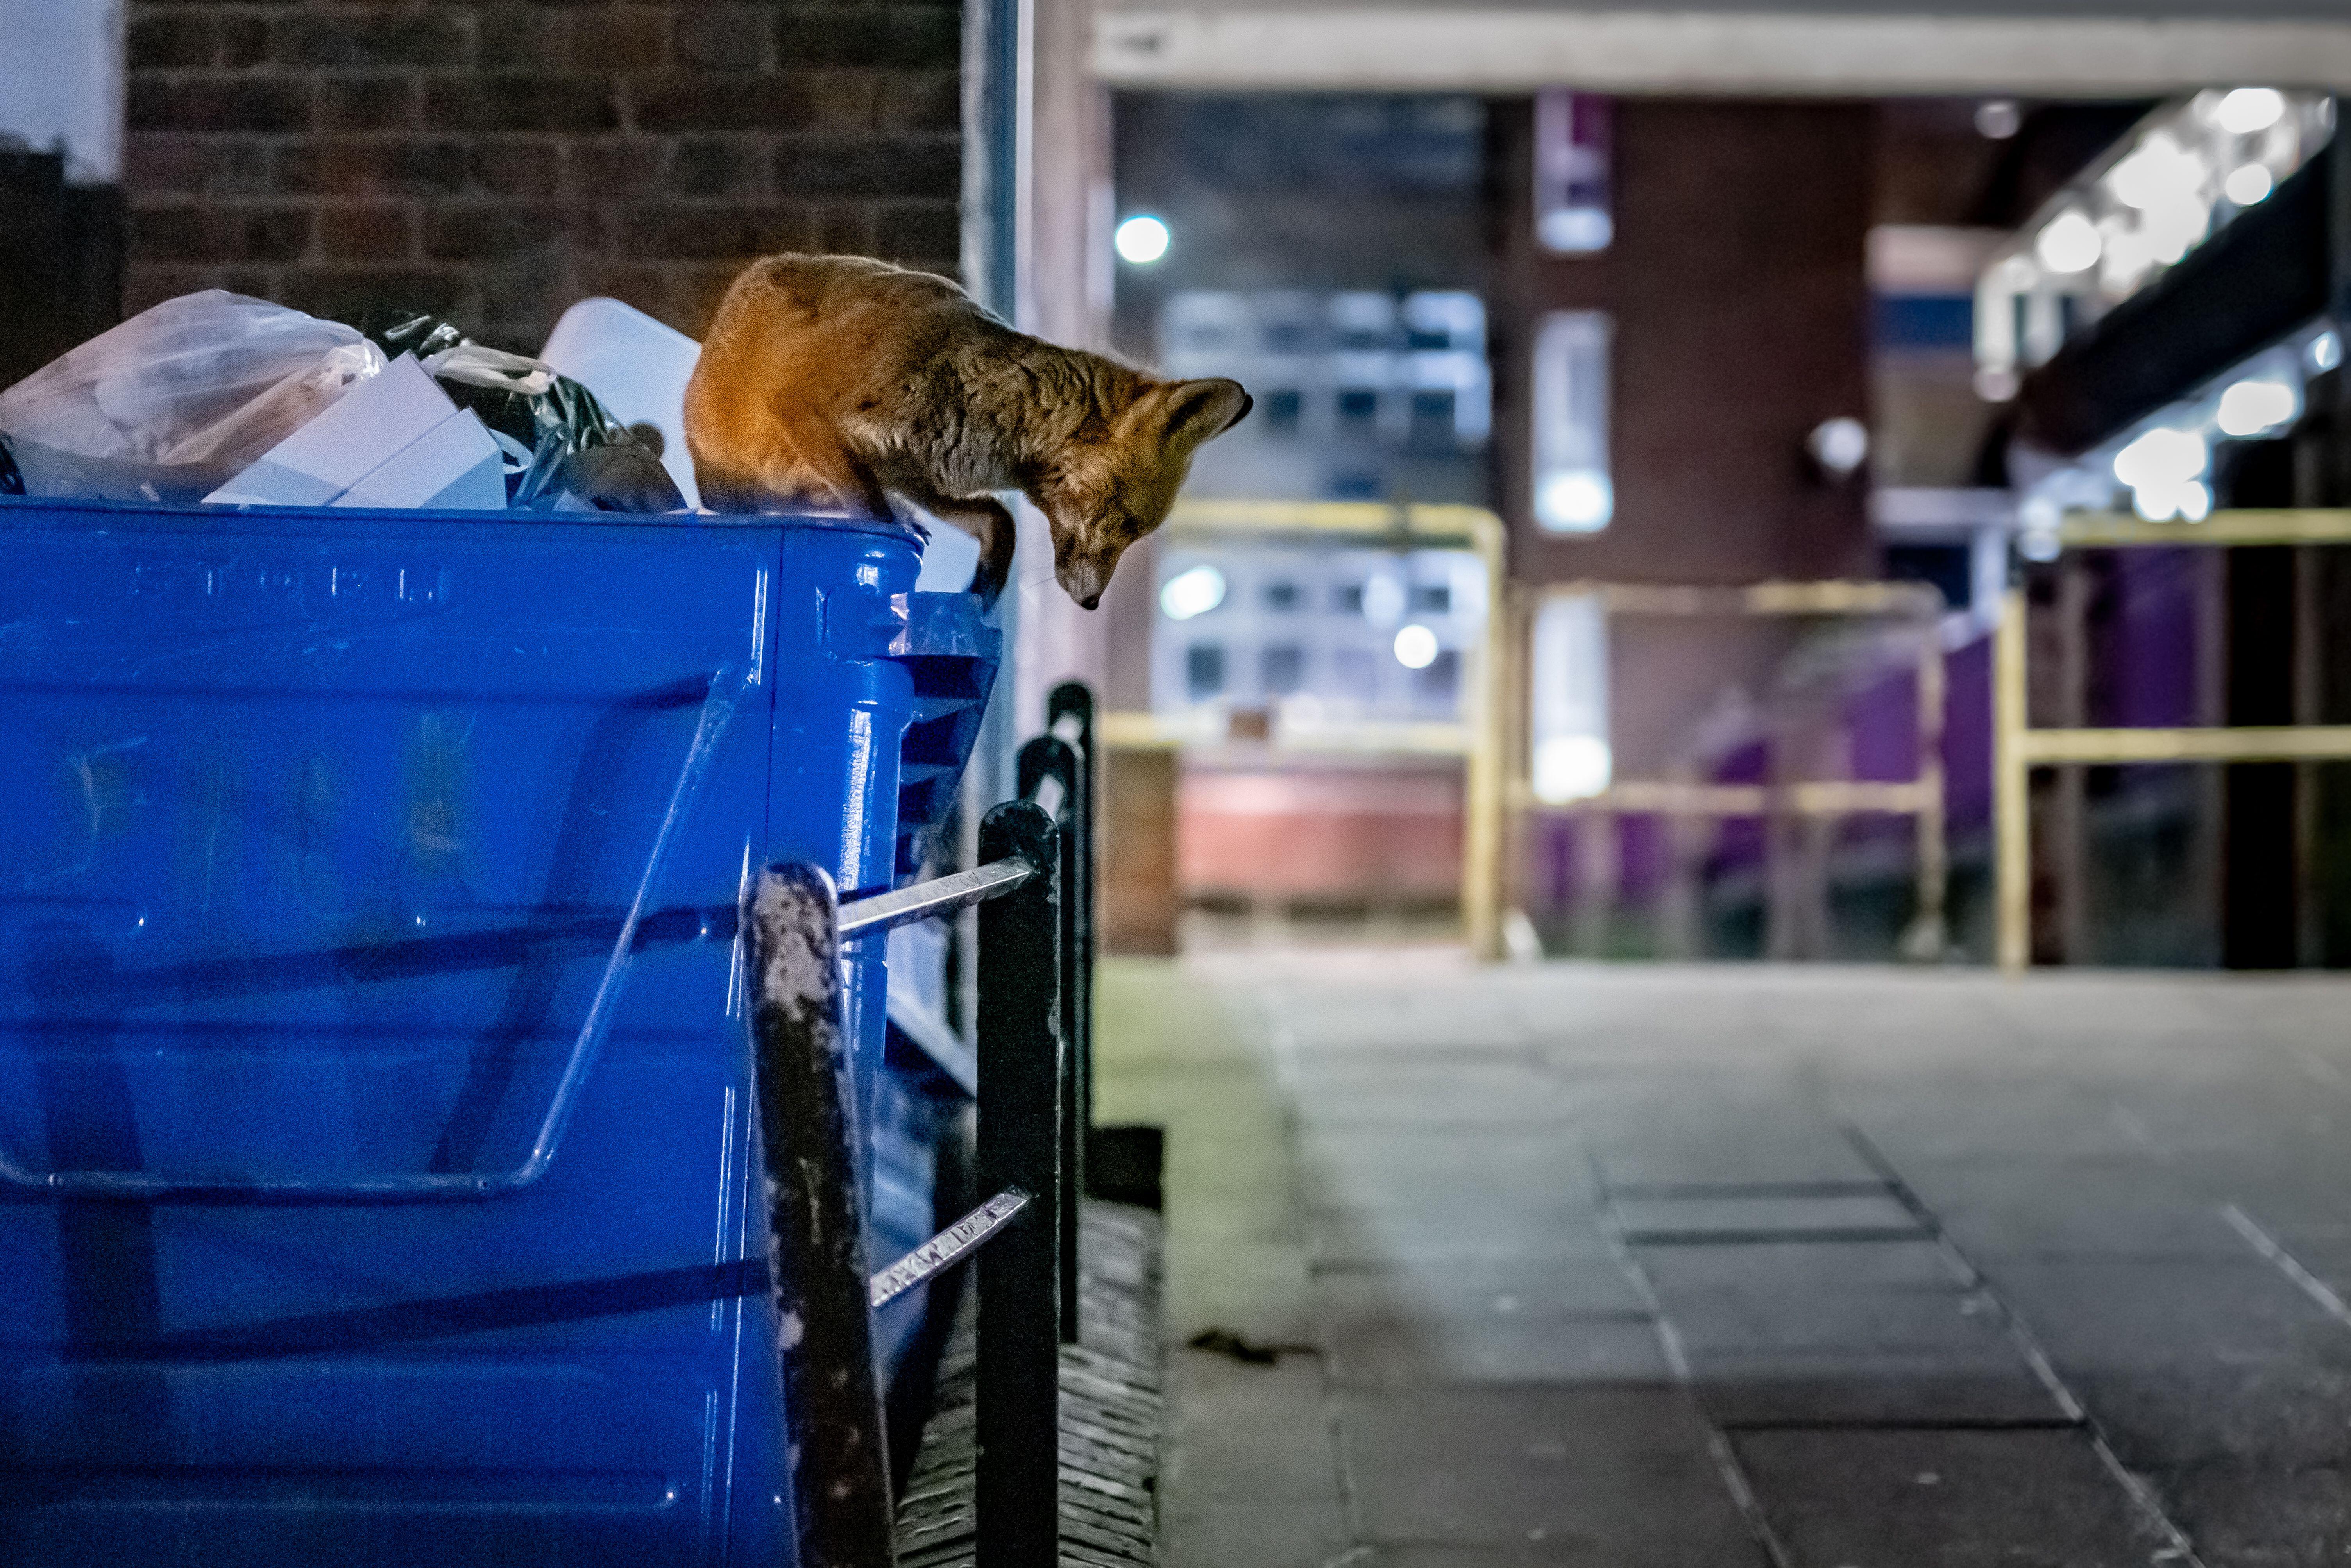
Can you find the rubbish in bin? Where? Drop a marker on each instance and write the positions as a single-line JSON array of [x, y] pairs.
[[638, 368], [833, 381], [550, 415], [170, 405], [397, 437], [11, 482]]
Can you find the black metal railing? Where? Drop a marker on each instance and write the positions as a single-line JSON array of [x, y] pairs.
[[1034, 887]]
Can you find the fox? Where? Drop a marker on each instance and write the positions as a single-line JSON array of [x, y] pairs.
[[832, 383]]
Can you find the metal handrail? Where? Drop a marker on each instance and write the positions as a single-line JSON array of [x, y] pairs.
[[940, 895]]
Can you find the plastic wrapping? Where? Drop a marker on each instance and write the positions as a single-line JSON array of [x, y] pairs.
[[172, 404], [580, 456]]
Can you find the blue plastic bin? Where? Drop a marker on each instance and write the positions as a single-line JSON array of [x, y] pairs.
[[376, 1177]]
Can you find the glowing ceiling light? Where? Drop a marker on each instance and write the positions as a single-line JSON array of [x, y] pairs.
[[1571, 767], [2070, 243], [2251, 183], [1142, 239], [1193, 592], [2161, 457], [1415, 647], [2256, 407], [2249, 109], [1575, 500]]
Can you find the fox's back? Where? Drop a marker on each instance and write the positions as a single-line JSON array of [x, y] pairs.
[[848, 336]]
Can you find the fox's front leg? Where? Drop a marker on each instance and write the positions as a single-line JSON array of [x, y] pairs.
[[989, 521]]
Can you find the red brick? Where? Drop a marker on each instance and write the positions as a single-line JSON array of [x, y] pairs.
[[366, 233], [634, 38], [919, 233], [262, 104], [798, 102], [513, 37], [697, 291], [844, 228], [519, 166], [609, 171], [720, 166], [217, 232], [478, 231], [898, 37], [169, 41], [347, 294], [700, 231], [549, 104], [724, 37], [868, 166], [372, 167], [368, 103], [195, 165], [920, 101], [244, 41], [146, 284], [355, 40], [646, 287]]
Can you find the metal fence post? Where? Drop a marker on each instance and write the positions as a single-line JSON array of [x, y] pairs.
[[808, 1137], [1070, 707], [1048, 758], [1018, 1487]]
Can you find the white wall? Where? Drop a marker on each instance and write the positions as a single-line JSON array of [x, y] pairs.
[[61, 80]]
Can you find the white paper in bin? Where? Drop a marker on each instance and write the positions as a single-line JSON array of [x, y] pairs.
[[637, 368]]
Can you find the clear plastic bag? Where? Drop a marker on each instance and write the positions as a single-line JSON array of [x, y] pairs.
[[173, 402]]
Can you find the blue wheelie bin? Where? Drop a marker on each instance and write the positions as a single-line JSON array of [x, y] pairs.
[[377, 1178]]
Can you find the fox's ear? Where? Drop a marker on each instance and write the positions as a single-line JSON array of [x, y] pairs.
[[1198, 411]]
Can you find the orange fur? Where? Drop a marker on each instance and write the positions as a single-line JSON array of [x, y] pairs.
[[832, 383]]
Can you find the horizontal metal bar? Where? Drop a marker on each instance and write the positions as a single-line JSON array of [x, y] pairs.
[[1767, 598], [2250, 743], [904, 905], [2249, 525], [948, 1247], [1807, 798]]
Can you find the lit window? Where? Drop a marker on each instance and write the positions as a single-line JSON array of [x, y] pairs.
[[1569, 694], [1572, 492], [1573, 213]]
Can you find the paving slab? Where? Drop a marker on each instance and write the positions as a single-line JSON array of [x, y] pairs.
[[1859, 1217], [1953, 1500], [1512, 1348], [1623, 1472], [1585, 1285], [2245, 1516]]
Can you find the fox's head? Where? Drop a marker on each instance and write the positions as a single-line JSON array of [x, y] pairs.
[[1106, 493]]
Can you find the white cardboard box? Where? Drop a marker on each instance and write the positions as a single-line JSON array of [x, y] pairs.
[[454, 464], [350, 440]]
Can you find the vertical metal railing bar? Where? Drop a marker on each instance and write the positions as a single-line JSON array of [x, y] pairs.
[[1049, 775], [810, 1139], [1022, 1073], [1070, 710]]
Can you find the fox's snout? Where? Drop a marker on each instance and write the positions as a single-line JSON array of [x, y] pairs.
[[1083, 581]]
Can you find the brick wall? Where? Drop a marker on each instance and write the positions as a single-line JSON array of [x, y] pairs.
[[494, 162]]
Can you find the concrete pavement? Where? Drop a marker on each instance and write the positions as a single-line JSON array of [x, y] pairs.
[[1660, 1266]]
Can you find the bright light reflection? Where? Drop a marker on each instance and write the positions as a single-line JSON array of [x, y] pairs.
[[1577, 500], [2070, 243], [2248, 184], [2253, 407], [1193, 592], [1142, 239], [1415, 647], [2249, 109], [1571, 767], [2162, 457]]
